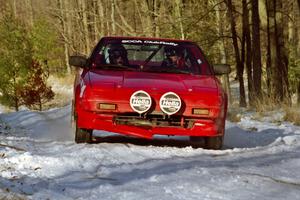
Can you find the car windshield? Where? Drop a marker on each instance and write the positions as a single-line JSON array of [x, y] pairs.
[[150, 56]]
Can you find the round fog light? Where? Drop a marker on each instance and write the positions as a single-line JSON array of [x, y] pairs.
[[140, 101], [170, 103]]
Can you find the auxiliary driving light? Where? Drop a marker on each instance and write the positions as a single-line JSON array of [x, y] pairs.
[[170, 103], [200, 111], [140, 101], [107, 106]]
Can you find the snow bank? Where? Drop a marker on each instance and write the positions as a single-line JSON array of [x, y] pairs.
[[39, 160]]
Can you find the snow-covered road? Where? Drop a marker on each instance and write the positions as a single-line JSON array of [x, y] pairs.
[[39, 160]]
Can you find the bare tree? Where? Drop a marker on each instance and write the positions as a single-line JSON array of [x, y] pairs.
[[222, 50], [84, 12], [63, 31], [239, 64], [279, 60], [113, 20], [256, 52], [248, 56], [178, 14]]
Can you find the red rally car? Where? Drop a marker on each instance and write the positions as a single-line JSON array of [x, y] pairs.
[[149, 86]]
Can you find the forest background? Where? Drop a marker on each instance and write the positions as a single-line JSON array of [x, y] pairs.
[[260, 39]]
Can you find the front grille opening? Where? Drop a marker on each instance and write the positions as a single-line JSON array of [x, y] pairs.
[[152, 120]]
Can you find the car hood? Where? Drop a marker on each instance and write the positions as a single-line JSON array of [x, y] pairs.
[[150, 81], [195, 91]]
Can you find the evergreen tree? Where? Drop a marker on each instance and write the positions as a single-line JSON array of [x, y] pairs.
[[46, 50], [23, 77], [15, 57], [36, 92]]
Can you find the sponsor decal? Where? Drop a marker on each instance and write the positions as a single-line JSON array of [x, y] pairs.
[[170, 103], [132, 41], [160, 42], [149, 42], [140, 101]]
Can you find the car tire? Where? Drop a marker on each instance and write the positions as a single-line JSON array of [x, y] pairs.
[[197, 141], [214, 142], [83, 135]]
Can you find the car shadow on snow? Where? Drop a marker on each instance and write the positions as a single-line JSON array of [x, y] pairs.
[[235, 137], [144, 142], [174, 165]]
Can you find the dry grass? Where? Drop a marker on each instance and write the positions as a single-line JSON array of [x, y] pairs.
[[292, 114], [63, 89], [61, 80], [233, 114], [266, 104]]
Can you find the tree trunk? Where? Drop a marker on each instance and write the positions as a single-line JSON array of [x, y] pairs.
[[248, 59], [239, 64], [296, 30], [275, 78], [126, 27], [178, 14], [101, 18], [137, 7], [282, 58], [68, 31], [257, 69], [150, 9], [15, 98], [268, 60], [279, 59], [298, 93], [40, 104], [85, 26], [14, 8], [63, 30], [30, 11], [222, 50], [113, 20], [155, 10], [16, 104], [94, 16], [283, 45]]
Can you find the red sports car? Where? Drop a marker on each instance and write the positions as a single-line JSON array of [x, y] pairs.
[[149, 86]]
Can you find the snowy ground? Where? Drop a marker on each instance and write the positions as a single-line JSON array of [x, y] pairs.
[[39, 160]]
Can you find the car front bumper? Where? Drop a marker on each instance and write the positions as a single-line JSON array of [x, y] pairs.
[[107, 122]]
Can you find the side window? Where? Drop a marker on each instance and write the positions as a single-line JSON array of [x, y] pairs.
[[105, 55], [191, 62]]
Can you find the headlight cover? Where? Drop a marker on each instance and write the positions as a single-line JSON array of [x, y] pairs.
[[170, 103], [140, 101]]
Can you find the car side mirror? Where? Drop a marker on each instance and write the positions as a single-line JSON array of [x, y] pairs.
[[78, 61], [221, 69]]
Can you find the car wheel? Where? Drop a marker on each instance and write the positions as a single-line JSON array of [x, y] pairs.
[[83, 135], [197, 141], [214, 142]]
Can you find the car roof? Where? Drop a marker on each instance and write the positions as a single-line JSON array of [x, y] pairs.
[[146, 38]]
